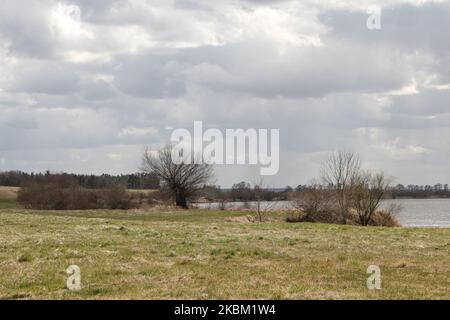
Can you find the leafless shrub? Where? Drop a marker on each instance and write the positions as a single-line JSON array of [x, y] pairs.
[[387, 217], [367, 192], [330, 217], [262, 207], [384, 218], [313, 202], [339, 173], [347, 195]]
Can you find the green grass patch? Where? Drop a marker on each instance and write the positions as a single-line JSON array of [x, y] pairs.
[[199, 254]]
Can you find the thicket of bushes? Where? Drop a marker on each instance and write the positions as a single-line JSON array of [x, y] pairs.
[[321, 205], [53, 197], [62, 192], [380, 218], [345, 194]]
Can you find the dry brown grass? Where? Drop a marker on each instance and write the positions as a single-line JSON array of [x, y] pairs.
[[143, 191], [8, 193], [200, 255], [8, 197]]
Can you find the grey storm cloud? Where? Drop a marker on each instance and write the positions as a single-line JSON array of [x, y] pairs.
[[45, 77], [85, 85], [303, 72], [150, 76], [429, 103], [26, 28], [415, 27]]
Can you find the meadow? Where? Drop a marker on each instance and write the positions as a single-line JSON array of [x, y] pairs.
[[199, 254]]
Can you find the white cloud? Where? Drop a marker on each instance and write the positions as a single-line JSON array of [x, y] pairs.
[[84, 85]]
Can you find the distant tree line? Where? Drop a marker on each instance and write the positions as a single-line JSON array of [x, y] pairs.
[[438, 190], [104, 181], [243, 191]]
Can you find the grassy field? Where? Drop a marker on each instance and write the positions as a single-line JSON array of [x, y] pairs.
[[213, 255], [8, 197]]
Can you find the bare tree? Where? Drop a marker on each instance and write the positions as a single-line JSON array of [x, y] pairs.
[[262, 206], [241, 191], [182, 180], [339, 173], [368, 191]]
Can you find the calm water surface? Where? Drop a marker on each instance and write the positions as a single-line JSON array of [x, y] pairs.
[[423, 212], [414, 213]]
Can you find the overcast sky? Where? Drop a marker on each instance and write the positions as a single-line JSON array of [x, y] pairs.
[[85, 85]]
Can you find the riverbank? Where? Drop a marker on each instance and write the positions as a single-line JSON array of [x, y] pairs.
[[212, 254], [412, 212]]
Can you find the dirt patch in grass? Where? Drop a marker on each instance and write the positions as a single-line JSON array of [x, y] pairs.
[[8, 193], [8, 197]]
